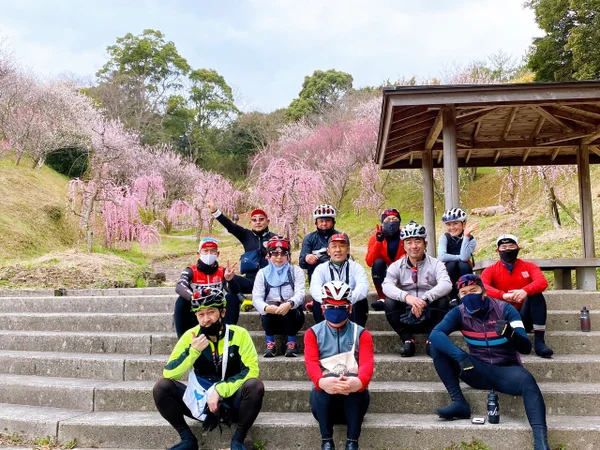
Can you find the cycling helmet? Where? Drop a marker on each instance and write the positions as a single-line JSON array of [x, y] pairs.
[[208, 242], [453, 215], [324, 211], [278, 242], [507, 239], [469, 280], [209, 297], [413, 230], [336, 293]]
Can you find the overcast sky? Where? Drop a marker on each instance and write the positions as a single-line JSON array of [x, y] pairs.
[[264, 48]]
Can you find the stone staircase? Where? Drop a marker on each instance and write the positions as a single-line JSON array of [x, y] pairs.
[[83, 366]]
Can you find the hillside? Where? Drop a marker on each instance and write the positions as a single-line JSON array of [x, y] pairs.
[[39, 237]]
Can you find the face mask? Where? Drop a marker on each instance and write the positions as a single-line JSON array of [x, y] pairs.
[[391, 228], [336, 316], [209, 259], [211, 330], [472, 302], [509, 256]]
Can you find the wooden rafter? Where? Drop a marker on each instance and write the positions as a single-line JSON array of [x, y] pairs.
[[412, 154], [551, 118], [555, 154], [595, 149], [538, 127], [574, 116], [497, 156], [477, 112], [476, 131], [439, 158], [436, 129], [509, 122], [475, 118], [562, 137], [594, 134], [468, 157], [526, 154]]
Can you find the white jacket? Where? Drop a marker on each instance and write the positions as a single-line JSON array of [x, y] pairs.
[[433, 281], [284, 294], [358, 281]]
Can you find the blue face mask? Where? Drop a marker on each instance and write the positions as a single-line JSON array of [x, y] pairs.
[[473, 302], [336, 316]]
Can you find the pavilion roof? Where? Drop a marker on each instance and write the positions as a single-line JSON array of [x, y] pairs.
[[497, 125]]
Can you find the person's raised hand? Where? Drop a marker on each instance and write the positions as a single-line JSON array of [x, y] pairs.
[[469, 229], [379, 233], [211, 205], [199, 342], [311, 259], [230, 271]]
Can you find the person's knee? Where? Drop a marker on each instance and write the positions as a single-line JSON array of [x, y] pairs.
[[161, 387], [378, 270], [464, 268], [254, 387]]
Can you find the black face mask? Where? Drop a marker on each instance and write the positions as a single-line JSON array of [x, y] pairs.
[[326, 233], [509, 256], [211, 330], [391, 228]]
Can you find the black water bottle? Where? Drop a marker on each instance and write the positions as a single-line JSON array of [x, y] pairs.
[[493, 408]]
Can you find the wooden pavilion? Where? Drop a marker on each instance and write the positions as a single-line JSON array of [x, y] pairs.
[[448, 127]]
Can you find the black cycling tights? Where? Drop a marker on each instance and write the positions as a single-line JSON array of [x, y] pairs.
[[246, 404]]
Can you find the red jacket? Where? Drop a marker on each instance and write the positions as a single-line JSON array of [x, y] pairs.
[[525, 275], [365, 358], [378, 250]]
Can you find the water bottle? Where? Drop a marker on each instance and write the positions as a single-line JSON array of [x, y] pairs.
[[585, 320], [493, 408]]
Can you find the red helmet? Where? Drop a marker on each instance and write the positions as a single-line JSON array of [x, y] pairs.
[[278, 242]]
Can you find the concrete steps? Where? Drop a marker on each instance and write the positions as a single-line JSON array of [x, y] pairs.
[[147, 343], [83, 366], [291, 430]]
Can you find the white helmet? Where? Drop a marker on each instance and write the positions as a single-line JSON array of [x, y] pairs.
[[453, 215], [337, 291], [324, 211], [413, 230], [507, 239]]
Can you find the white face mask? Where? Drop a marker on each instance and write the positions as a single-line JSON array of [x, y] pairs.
[[209, 259]]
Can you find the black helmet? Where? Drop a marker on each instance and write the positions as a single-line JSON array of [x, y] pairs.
[[208, 297]]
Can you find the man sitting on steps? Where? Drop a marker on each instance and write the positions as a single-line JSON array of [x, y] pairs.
[[228, 363], [416, 287], [494, 333], [521, 284]]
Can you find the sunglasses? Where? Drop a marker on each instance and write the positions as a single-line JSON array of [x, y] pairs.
[[278, 253], [336, 306]]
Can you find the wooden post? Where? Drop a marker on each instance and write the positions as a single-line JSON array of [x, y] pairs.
[[451, 195], [586, 278], [428, 205]]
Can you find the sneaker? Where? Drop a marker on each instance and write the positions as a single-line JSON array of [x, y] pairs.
[[377, 305], [185, 444], [237, 445], [271, 350], [292, 350], [407, 348]]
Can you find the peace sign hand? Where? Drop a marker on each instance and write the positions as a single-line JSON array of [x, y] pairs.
[[379, 233], [230, 271]]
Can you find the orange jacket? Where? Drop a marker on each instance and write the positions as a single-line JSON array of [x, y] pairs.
[[378, 250]]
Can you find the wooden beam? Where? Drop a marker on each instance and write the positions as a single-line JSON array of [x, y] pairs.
[[406, 112], [436, 129], [595, 149], [562, 137], [415, 129], [401, 124], [439, 158], [538, 127], [555, 153], [591, 110], [497, 155], [449, 133], [548, 116], [463, 114], [571, 115], [468, 156], [509, 122], [475, 118], [412, 154], [405, 143], [476, 131], [526, 154], [429, 200], [595, 135], [585, 201]]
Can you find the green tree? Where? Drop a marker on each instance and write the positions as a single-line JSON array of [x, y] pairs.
[[551, 57], [140, 75], [197, 120], [320, 91]]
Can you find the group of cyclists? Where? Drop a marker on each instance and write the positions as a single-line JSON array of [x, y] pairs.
[[418, 293]]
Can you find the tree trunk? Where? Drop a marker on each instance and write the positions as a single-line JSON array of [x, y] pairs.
[[551, 202]]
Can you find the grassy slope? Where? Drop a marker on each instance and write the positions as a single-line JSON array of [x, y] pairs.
[[35, 221]]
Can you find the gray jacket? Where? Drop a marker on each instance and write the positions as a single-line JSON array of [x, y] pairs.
[[432, 283]]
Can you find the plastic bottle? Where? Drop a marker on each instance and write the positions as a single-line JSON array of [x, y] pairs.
[[493, 408], [585, 320]]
